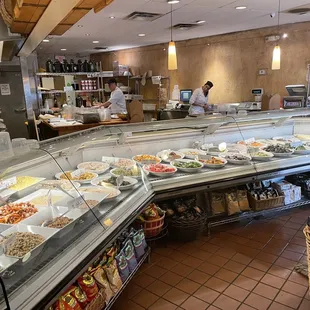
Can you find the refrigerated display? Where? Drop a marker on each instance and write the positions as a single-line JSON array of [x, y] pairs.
[[79, 204]]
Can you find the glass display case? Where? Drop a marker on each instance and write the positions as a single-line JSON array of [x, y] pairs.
[[64, 203]]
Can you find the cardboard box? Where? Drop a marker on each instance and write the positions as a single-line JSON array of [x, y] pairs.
[[282, 186]]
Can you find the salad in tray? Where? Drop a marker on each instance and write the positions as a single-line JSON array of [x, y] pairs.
[[160, 169]]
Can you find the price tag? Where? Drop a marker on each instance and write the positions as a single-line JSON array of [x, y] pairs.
[[7, 183]]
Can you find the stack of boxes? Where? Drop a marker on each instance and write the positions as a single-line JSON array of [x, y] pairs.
[[291, 192]]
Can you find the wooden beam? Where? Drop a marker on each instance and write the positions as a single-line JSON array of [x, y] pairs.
[[56, 11], [102, 5]]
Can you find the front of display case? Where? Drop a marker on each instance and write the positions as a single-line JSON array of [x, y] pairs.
[[98, 213]]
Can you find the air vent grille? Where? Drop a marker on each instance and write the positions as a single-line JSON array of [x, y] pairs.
[[184, 26], [143, 16]]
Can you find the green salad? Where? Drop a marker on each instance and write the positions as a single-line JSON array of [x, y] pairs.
[[301, 148], [190, 164], [261, 154]]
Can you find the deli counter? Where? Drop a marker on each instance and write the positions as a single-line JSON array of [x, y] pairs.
[[35, 277]]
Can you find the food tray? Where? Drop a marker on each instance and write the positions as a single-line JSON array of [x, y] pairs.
[[119, 162], [188, 170], [43, 193], [47, 233], [258, 205], [20, 193], [132, 182], [101, 195], [103, 169], [59, 174], [187, 152]]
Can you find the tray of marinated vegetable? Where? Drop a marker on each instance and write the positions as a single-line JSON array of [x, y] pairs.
[[302, 150], [134, 172], [262, 155], [191, 153], [160, 170], [145, 159], [187, 165], [110, 181], [94, 166], [279, 150]]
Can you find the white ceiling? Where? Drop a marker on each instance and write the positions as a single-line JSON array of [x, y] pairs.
[[220, 16]]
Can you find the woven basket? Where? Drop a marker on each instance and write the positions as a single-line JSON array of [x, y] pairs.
[[186, 230], [154, 227], [307, 235], [98, 302], [258, 205]]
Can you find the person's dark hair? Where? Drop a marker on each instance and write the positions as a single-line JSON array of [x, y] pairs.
[[112, 81], [209, 83]]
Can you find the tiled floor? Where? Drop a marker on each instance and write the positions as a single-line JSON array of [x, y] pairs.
[[248, 266]]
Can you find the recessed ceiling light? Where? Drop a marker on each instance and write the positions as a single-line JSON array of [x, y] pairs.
[[80, 26], [173, 1], [63, 49], [285, 35], [112, 17], [46, 40], [242, 7], [200, 21], [87, 34], [95, 42], [141, 35]]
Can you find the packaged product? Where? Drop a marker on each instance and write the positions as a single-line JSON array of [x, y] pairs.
[[103, 282], [67, 302], [122, 266], [79, 295], [243, 200], [144, 244], [218, 205], [232, 202], [138, 244], [88, 285], [113, 277], [129, 252]]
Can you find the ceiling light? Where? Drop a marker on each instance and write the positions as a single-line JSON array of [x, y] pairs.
[[46, 40], [141, 35], [200, 21], [276, 56], [173, 1], [63, 49], [242, 7], [285, 35], [95, 42], [80, 26], [172, 52], [87, 34], [112, 17]]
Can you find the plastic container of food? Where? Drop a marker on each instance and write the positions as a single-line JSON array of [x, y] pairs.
[[6, 150]]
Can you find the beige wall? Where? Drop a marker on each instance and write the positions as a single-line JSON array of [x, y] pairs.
[[230, 61]]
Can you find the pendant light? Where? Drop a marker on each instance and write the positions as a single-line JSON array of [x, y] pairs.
[[172, 52], [276, 56]]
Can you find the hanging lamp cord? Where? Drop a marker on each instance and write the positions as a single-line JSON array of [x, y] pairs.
[[171, 22], [279, 9]]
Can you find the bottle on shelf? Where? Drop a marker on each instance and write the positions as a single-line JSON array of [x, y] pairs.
[[79, 101], [80, 66], [57, 66], [74, 66], [49, 66], [92, 66], [64, 66], [85, 66]]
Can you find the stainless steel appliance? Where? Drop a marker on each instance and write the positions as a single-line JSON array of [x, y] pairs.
[[253, 106], [297, 97], [12, 101]]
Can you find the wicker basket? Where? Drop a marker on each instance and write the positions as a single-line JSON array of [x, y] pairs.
[[98, 302], [186, 230], [154, 227], [307, 235], [258, 205]]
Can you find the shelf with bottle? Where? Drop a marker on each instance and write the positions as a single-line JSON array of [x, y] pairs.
[[44, 92]]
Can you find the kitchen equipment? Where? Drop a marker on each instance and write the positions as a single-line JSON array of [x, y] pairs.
[[87, 116], [253, 106]]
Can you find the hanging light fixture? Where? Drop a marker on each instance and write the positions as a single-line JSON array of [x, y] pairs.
[[276, 56], [172, 52]]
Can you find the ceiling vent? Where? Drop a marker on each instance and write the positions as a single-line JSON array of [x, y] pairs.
[[184, 26], [100, 48], [143, 16], [300, 10]]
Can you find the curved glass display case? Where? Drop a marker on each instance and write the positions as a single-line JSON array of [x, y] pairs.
[[64, 203]]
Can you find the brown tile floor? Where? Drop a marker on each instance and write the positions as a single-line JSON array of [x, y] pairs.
[[245, 267]]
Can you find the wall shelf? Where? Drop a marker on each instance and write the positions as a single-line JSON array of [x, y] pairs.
[[44, 92]]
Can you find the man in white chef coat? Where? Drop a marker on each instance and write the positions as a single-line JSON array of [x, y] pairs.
[[199, 99], [117, 101]]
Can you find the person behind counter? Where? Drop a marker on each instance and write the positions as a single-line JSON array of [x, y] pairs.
[[117, 101], [199, 99]]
